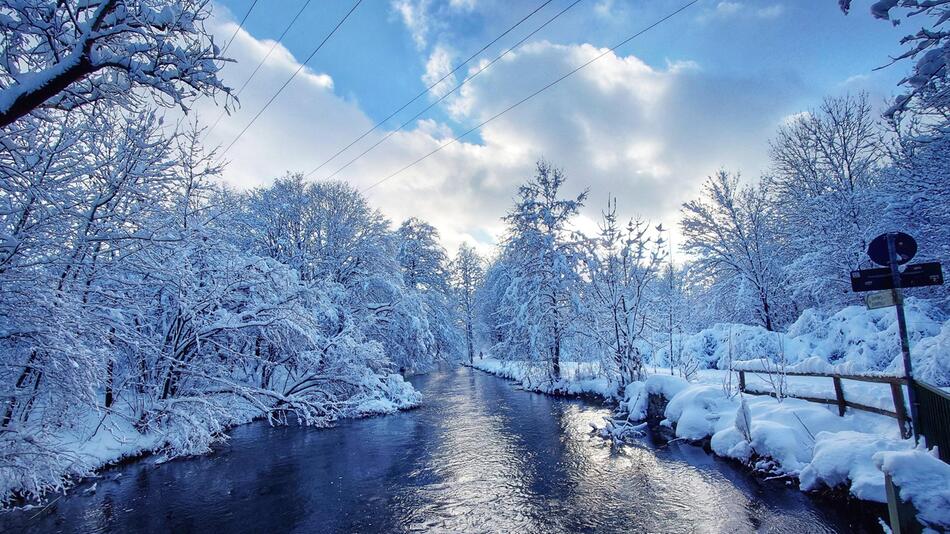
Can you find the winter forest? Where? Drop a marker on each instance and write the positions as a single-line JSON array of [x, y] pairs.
[[145, 305]]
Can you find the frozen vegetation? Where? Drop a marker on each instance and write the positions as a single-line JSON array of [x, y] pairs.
[[145, 307]]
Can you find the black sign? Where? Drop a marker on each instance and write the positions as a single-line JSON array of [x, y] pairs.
[[922, 274], [904, 246], [916, 275]]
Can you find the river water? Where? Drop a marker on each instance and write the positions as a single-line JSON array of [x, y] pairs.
[[480, 455]]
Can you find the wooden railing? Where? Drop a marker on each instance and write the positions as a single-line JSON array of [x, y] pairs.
[[934, 414], [895, 382]]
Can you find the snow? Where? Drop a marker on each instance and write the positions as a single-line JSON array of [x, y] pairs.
[[853, 340], [698, 411], [847, 457], [790, 434], [578, 378], [923, 480]]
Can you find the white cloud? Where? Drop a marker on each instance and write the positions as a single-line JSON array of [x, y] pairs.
[[414, 14], [770, 12], [648, 135], [604, 8], [463, 5], [727, 9], [438, 66]]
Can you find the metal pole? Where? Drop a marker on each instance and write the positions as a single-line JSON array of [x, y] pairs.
[[902, 326]]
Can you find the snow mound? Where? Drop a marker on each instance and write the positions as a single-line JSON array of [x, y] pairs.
[[392, 394], [923, 480], [792, 438], [846, 457]]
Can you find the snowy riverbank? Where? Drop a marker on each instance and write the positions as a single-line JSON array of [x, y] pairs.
[[101, 439], [803, 441]]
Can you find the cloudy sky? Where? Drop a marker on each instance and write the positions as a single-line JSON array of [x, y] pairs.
[[702, 91]]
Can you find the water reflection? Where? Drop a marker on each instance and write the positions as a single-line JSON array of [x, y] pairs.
[[480, 456]]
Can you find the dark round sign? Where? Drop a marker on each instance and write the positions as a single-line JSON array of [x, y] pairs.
[[904, 247]]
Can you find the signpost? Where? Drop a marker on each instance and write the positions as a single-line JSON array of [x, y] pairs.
[[892, 250]]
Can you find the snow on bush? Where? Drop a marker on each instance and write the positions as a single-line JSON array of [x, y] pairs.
[[389, 395], [698, 411], [853, 340]]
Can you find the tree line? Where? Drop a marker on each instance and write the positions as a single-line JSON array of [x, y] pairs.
[[754, 252]]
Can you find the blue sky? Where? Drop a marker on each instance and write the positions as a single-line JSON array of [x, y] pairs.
[[702, 91]]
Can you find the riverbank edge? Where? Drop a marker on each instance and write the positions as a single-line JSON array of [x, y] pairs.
[[838, 495], [147, 448]]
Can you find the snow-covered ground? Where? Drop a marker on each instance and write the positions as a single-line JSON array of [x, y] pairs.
[[577, 378], [792, 438]]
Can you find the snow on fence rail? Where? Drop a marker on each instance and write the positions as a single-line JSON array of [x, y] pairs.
[[895, 382]]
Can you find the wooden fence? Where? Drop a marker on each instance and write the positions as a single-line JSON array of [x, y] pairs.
[[933, 410], [895, 382]]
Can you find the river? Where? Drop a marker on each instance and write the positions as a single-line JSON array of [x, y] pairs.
[[480, 455]]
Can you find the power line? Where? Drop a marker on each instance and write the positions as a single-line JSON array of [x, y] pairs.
[[446, 95], [292, 76], [261, 63], [427, 89], [536, 93], [236, 30]]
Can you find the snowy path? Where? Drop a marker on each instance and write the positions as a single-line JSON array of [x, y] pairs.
[[480, 455]]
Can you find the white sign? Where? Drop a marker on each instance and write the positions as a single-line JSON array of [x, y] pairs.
[[880, 299]]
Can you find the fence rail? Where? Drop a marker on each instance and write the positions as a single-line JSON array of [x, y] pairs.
[[934, 413], [897, 393]]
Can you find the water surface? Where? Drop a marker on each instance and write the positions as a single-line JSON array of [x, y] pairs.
[[479, 456]]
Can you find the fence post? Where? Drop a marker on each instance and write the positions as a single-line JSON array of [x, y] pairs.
[[839, 395], [900, 409], [742, 381], [903, 517]]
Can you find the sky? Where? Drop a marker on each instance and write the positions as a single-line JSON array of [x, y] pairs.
[[702, 91]]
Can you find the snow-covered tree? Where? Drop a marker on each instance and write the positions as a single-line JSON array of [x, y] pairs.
[[423, 260], [61, 55], [544, 258], [426, 271], [622, 263], [729, 232], [493, 316], [825, 168], [467, 274], [928, 92]]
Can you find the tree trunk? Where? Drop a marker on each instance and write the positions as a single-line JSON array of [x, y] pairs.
[[109, 371], [767, 312]]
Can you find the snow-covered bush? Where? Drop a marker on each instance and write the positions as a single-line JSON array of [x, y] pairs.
[[851, 340]]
